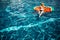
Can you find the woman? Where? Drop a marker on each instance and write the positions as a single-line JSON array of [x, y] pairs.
[[42, 9]]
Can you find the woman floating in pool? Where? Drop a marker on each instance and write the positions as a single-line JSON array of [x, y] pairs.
[[42, 9]]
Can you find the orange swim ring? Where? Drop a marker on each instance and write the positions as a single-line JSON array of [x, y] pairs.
[[46, 9]]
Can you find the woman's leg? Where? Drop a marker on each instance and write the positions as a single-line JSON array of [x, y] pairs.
[[40, 13]]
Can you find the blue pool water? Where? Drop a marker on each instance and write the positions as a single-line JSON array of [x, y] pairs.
[[18, 20]]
